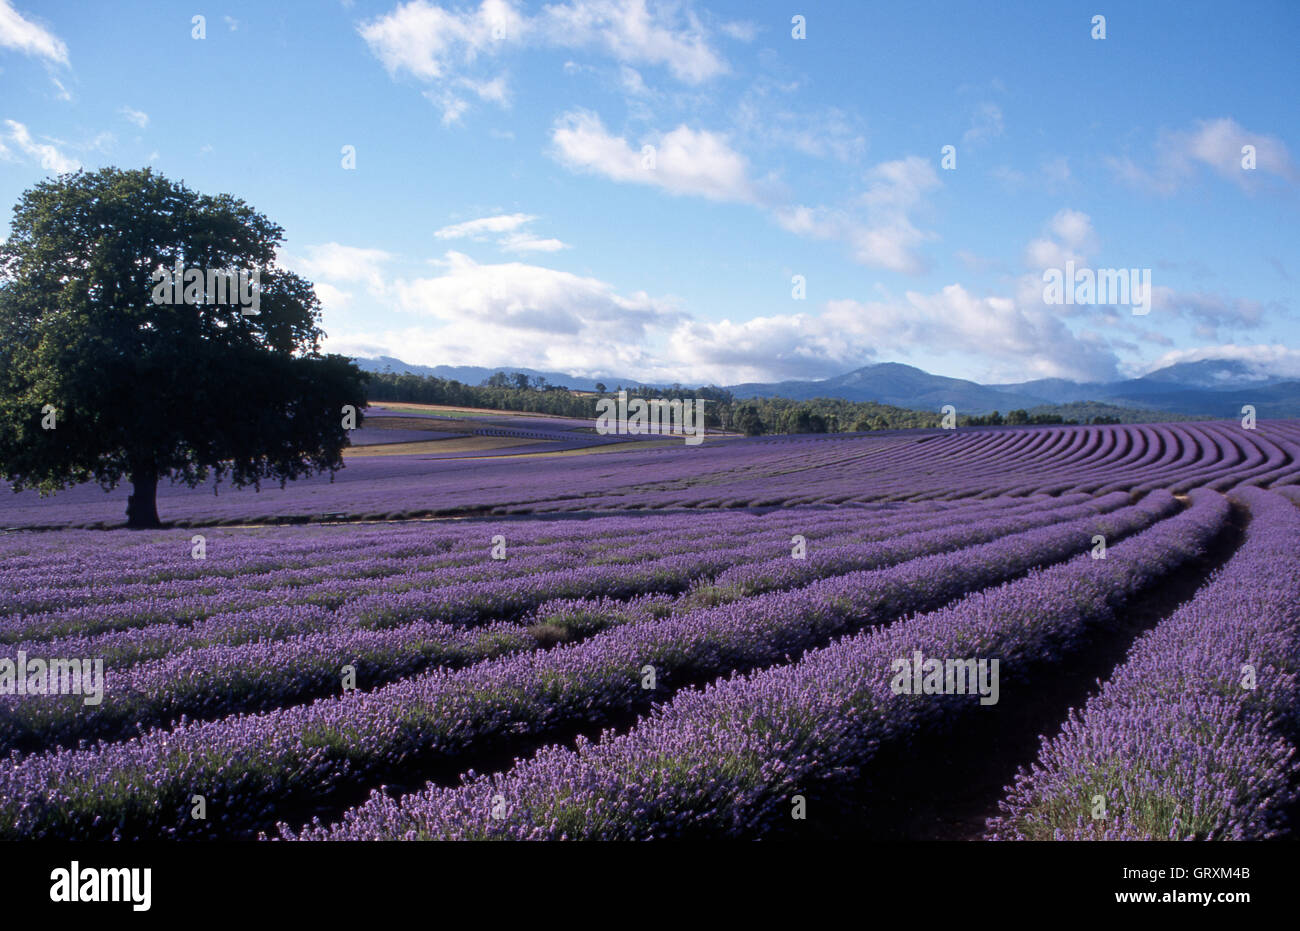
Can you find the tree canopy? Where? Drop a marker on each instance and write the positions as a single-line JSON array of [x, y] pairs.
[[101, 380]]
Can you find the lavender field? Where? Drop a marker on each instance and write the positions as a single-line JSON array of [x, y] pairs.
[[1048, 632]]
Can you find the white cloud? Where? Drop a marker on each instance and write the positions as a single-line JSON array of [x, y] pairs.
[[445, 47], [335, 262], [496, 90], [886, 237], [453, 107], [670, 35], [522, 242], [515, 313], [1015, 340], [519, 314], [766, 120], [1053, 176], [1071, 238], [28, 37], [685, 161], [632, 81], [50, 158], [529, 297], [889, 240], [740, 30], [477, 228], [986, 124], [508, 231], [1274, 359], [137, 117], [1216, 144], [1210, 312], [332, 298], [1056, 173], [427, 41]]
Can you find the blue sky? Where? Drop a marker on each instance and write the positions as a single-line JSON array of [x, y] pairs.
[[502, 210]]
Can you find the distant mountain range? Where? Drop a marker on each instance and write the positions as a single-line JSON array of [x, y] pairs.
[[476, 374], [1211, 388]]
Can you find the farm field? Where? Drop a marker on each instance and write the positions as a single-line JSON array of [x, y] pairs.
[[724, 641]]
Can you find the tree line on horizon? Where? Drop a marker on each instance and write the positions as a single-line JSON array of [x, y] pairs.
[[516, 391]]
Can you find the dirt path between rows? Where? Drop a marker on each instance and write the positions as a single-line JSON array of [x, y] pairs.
[[944, 786]]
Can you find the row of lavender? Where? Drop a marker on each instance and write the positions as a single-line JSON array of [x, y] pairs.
[[43, 572], [1194, 736], [373, 592], [730, 759], [213, 680], [968, 462], [216, 585], [254, 769]]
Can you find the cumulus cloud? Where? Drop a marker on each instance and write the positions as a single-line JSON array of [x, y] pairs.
[[476, 229], [427, 40], [506, 229], [766, 120], [332, 298], [684, 161], [518, 296], [515, 313], [522, 242], [670, 36], [1266, 360], [446, 47], [986, 124], [335, 262], [1015, 340], [30, 38], [138, 117], [1211, 313], [880, 232], [47, 154], [1069, 238], [740, 30], [1215, 144]]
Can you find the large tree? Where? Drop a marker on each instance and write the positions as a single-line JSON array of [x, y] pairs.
[[99, 380]]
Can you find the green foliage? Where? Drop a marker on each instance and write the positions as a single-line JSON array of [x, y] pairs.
[[752, 417], [1098, 412], [145, 389]]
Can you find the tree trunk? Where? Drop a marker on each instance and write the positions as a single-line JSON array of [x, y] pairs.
[[142, 503]]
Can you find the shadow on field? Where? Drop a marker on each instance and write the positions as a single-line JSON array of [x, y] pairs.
[[946, 784]]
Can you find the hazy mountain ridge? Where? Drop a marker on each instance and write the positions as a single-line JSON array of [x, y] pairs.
[[1211, 387], [475, 374]]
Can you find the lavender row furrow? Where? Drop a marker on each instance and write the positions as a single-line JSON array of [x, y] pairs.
[[728, 760], [247, 765], [136, 643], [115, 615], [209, 682], [1193, 737]]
